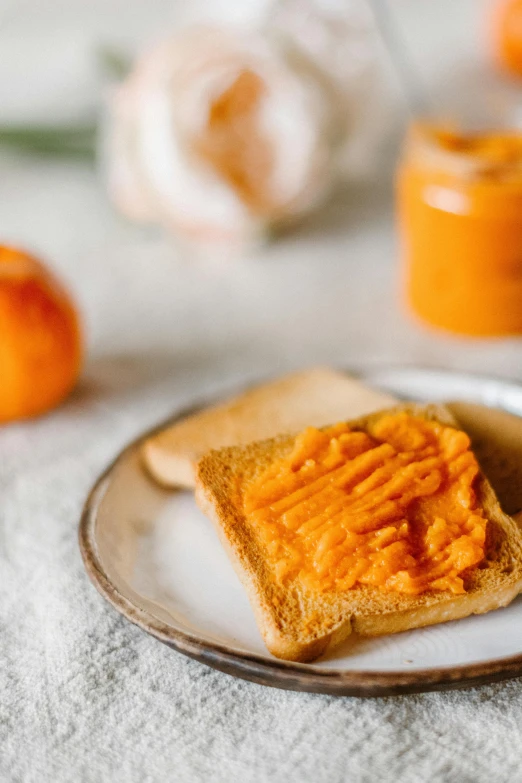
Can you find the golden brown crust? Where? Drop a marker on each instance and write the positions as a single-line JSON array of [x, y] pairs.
[[300, 625]]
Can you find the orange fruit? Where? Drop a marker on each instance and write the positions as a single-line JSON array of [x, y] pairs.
[[40, 337], [508, 35]]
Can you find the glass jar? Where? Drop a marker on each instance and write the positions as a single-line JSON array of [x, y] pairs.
[[507, 35], [460, 221]]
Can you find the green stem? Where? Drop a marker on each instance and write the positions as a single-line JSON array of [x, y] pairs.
[[73, 141], [63, 141]]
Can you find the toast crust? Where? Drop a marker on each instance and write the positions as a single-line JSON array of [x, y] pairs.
[[298, 624], [289, 404]]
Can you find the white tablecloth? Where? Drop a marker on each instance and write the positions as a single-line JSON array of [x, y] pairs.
[[85, 696]]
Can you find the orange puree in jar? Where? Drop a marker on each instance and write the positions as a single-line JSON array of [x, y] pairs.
[[507, 34], [460, 218], [393, 508]]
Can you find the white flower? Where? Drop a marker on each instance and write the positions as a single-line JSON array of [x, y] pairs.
[[339, 42], [217, 135]]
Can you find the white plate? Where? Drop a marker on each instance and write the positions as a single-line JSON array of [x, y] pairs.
[[155, 556]]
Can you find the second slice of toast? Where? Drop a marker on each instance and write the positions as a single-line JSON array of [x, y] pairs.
[[298, 623], [310, 397]]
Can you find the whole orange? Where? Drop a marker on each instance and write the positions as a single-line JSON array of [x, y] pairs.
[[508, 35], [40, 337]]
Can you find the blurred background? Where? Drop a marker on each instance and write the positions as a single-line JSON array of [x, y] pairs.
[[167, 323], [328, 290]]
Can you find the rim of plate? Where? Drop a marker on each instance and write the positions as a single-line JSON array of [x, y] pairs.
[[278, 673]]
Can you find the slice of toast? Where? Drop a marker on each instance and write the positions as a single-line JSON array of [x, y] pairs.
[[300, 624], [312, 397], [496, 439]]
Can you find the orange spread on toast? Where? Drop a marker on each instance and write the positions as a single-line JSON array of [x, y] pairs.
[[393, 507]]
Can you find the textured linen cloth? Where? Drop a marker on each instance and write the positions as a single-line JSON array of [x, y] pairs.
[[84, 695]]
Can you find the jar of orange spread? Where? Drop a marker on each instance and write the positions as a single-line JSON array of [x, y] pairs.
[[507, 34], [460, 219], [393, 508]]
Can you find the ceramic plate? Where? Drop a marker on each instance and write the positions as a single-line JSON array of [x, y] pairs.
[[157, 559]]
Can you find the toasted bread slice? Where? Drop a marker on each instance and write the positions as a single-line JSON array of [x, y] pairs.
[[312, 397], [496, 439], [299, 624]]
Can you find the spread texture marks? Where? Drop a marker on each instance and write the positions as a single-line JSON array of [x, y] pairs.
[[393, 507]]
